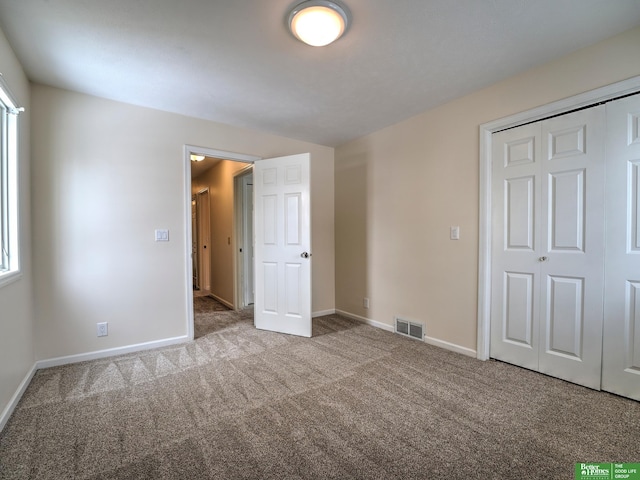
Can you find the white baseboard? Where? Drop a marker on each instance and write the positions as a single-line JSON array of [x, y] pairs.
[[322, 313], [430, 340], [82, 357], [222, 301], [368, 321], [450, 346], [110, 352], [11, 406]]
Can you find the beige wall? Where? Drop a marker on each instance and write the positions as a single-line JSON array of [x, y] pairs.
[[219, 181], [400, 189], [106, 175], [16, 319]]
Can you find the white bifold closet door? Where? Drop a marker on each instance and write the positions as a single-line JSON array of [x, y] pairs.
[[548, 246], [621, 356]]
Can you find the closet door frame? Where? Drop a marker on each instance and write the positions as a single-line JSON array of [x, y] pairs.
[[560, 107]]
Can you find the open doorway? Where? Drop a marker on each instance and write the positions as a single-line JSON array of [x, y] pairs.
[[281, 241], [220, 234]]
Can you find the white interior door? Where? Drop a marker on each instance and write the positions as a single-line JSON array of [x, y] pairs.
[[247, 226], [283, 245], [515, 292], [621, 344], [194, 244], [204, 238], [572, 232], [548, 249]]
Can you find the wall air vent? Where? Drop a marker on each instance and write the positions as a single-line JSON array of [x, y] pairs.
[[409, 329]]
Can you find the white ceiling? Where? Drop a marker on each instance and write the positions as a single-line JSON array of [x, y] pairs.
[[234, 61]]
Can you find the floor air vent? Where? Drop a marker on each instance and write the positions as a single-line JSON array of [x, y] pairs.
[[410, 329]]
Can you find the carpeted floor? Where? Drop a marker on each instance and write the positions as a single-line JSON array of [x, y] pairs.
[[351, 402], [209, 315]]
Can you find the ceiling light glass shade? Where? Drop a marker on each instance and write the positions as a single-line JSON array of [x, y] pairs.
[[318, 22], [197, 158]]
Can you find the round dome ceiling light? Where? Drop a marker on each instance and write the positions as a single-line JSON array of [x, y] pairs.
[[196, 158], [318, 22]]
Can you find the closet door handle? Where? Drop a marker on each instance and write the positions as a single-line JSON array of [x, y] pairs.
[[542, 259]]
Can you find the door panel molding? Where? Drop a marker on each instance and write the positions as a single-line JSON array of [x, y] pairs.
[[565, 300], [518, 321], [566, 198], [632, 327], [519, 234], [633, 202]]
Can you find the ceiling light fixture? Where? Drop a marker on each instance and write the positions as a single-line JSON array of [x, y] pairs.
[[318, 22], [196, 158]]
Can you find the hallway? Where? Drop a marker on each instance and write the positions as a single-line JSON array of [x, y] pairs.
[[211, 315]]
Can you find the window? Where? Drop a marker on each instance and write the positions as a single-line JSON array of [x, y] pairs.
[[9, 247]]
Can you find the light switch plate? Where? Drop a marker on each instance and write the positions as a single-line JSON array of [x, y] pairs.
[[455, 233], [162, 235]]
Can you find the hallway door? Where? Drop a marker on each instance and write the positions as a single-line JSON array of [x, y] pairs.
[[283, 245]]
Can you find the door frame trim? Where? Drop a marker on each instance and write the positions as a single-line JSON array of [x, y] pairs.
[[583, 100], [209, 152]]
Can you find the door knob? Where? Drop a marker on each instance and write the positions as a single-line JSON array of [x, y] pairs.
[[542, 259], [305, 255]]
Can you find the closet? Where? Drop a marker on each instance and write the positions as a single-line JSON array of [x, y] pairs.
[[565, 283]]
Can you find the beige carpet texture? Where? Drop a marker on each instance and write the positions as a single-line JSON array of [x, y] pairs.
[[352, 402]]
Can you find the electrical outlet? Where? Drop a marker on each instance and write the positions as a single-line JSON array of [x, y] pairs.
[[365, 302], [103, 329]]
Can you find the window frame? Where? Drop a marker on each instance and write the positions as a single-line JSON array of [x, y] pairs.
[[10, 261]]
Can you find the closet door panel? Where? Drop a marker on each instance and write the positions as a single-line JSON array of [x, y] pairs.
[[515, 278], [572, 272], [621, 342]]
